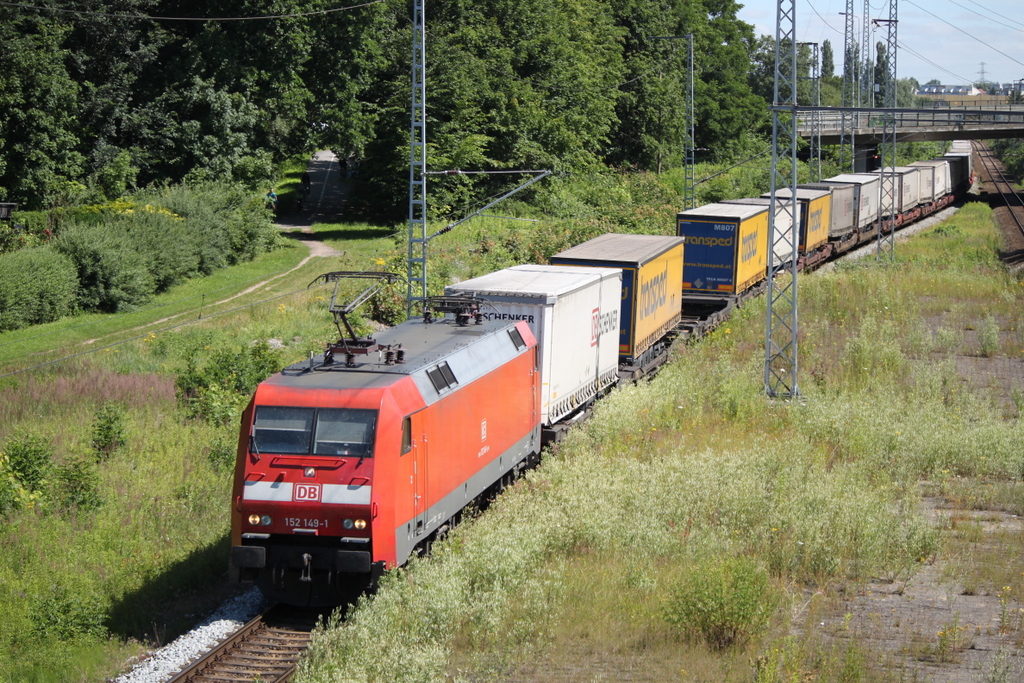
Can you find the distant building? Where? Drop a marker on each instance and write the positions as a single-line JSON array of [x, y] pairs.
[[967, 95]]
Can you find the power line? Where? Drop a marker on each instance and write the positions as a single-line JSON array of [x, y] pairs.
[[990, 18], [925, 59], [989, 45], [142, 17]]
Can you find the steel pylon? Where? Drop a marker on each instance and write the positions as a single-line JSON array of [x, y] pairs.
[[416, 266], [814, 158], [887, 204], [780, 366], [690, 188], [851, 77]]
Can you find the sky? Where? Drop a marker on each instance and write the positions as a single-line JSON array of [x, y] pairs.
[[943, 39]]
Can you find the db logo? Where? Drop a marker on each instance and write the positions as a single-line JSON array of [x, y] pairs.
[[309, 493]]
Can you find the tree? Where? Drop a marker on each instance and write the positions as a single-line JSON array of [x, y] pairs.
[[828, 64], [39, 106], [881, 74]]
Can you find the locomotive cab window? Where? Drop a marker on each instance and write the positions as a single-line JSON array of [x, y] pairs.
[[324, 431], [406, 435], [345, 431], [283, 430]]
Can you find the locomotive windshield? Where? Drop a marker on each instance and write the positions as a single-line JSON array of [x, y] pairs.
[[315, 431]]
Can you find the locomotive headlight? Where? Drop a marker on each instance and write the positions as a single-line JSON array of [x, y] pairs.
[[360, 523], [265, 520], [348, 524], [254, 519]]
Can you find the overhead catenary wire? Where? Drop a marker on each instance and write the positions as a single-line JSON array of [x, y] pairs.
[[954, 26], [1000, 16], [148, 17]]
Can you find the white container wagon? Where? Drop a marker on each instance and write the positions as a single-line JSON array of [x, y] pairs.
[[865, 197], [844, 209], [935, 179], [560, 302], [908, 186]]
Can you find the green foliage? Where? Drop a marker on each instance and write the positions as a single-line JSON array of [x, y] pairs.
[[1011, 153], [29, 458], [726, 601], [114, 256], [70, 613], [221, 452], [108, 429], [113, 277], [75, 486], [218, 389], [8, 489], [988, 337], [37, 285]]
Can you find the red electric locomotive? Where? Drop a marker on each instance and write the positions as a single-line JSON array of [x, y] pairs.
[[350, 462]]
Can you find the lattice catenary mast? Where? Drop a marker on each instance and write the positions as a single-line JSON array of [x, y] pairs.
[[887, 150], [780, 365], [416, 266]]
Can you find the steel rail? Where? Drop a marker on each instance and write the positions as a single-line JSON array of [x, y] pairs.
[[998, 178], [265, 649]]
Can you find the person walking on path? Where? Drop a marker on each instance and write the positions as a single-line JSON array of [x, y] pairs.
[[271, 200]]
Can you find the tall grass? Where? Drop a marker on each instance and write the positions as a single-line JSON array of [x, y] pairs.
[[672, 482]]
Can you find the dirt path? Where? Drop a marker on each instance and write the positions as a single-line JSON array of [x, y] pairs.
[[325, 203]]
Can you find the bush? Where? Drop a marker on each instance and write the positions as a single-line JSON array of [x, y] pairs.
[[108, 430], [37, 285], [726, 601], [75, 486], [221, 453], [112, 276], [70, 614], [8, 490], [218, 390], [29, 457], [988, 337]]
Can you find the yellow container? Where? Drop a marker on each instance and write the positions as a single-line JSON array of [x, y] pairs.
[[652, 275], [815, 215]]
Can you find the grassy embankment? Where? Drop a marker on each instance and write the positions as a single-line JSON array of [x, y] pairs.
[[114, 546], [692, 529], [114, 530]]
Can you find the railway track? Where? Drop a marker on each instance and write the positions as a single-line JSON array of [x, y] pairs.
[[993, 173], [266, 649]]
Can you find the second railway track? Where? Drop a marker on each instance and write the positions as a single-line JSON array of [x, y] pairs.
[[993, 173]]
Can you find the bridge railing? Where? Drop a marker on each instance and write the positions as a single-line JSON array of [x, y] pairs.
[[831, 118]]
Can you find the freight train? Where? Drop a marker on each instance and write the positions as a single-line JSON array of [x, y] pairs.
[[351, 462]]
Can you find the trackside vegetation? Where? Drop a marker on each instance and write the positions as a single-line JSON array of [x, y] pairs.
[[693, 526], [115, 465], [115, 256]]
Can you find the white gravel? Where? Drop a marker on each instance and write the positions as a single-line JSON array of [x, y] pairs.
[[162, 664]]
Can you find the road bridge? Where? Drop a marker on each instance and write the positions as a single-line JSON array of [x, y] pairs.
[[912, 125]]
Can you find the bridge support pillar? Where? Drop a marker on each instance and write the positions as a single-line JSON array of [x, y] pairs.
[[861, 156]]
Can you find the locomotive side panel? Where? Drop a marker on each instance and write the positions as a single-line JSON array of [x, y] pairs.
[[464, 443]]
